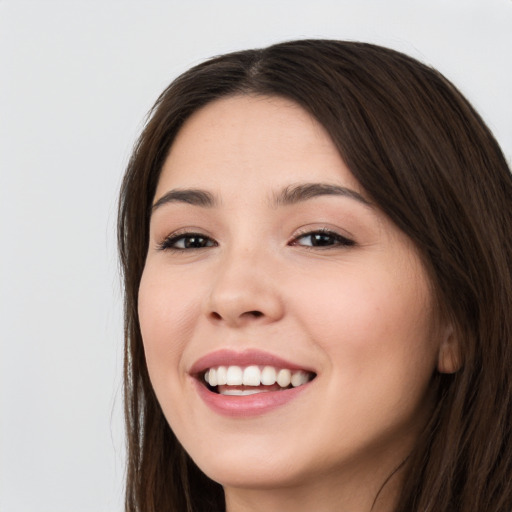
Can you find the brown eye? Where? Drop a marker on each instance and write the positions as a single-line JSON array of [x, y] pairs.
[[187, 241], [322, 239]]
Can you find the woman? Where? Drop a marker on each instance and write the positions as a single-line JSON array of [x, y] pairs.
[[315, 240]]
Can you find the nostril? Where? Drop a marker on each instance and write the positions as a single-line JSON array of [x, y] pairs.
[[255, 314]]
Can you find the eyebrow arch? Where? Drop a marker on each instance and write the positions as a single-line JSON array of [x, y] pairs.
[[303, 191], [191, 196]]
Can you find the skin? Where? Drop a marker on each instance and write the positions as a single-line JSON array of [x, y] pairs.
[[360, 314]]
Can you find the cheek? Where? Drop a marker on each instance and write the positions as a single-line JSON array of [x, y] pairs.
[[377, 335], [373, 324], [167, 309]]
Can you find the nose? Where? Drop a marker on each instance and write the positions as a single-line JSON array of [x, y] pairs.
[[245, 291]]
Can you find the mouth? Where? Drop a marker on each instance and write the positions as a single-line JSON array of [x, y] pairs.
[[252, 379], [249, 383]]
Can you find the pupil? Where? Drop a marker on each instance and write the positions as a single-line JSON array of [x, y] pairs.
[[321, 239], [194, 242]]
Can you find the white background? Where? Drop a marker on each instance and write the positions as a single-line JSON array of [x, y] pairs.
[[76, 79]]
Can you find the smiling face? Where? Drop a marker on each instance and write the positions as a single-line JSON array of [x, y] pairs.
[[266, 254]]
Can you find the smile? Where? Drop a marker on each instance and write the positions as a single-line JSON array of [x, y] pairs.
[[248, 383], [249, 380]]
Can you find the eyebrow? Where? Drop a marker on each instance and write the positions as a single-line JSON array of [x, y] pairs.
[[290, 195], [294, 194], [191, 196]]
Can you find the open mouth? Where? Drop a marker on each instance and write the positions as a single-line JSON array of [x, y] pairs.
[[253, 379]]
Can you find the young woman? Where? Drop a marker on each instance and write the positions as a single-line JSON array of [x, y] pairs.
[[316, 245]]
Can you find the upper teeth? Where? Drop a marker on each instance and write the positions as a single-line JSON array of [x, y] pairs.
[[254, 376]]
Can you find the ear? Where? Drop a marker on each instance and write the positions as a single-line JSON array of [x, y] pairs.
[[449, 357]]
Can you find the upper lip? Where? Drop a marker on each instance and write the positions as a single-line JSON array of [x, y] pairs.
[[228, 357]]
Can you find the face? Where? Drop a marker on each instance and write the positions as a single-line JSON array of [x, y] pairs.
[[268, 261]]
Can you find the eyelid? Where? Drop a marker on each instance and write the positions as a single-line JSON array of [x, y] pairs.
[[342, 239], [339, 239], [166, 243]]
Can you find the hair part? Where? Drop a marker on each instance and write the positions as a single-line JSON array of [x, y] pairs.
[[427, 159]]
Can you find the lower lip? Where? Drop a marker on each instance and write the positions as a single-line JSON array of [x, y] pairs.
[[248, 405]]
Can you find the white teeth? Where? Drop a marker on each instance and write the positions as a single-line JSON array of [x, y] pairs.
[[268, 376], [222, 376], [254, 376], [298, 378], [242, 392], [251, 376], [234, 376], [284, 378]]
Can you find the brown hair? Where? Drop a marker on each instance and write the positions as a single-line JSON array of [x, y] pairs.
[[428, 160]]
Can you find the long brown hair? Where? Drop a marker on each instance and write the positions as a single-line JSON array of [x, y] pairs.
[[428, 160]]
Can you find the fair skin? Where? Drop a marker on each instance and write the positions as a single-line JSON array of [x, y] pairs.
[[319, 278]]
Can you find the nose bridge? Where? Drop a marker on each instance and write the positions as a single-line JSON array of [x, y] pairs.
[[244, 288]]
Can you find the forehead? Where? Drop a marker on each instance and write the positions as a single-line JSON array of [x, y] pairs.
[[244, 140]]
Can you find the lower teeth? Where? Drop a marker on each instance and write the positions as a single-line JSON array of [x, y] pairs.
[[242, 392]]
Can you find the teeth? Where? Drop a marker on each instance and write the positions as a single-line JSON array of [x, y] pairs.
[[241, 392], [222, 376], [234, 376], [268, 376], [298, 378], [251, 376], [254, 376], [284, 378]]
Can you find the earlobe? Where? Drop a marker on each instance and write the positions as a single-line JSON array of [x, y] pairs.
[[449, 357]]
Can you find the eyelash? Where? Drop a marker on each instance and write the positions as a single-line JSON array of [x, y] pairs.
[[337, 240], [173, 239]]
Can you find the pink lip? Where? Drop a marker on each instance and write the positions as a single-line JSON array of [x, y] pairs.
[[227, 357], [249, 405]]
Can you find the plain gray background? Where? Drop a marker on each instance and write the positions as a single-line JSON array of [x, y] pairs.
[[76, 80]]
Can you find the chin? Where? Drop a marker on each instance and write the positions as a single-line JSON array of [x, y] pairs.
[[249, 462], [254, 474]]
